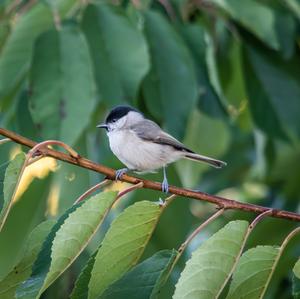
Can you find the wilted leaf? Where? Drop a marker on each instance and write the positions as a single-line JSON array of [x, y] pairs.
[[16, 54], [144, 280], [69, 236], [123, 245], [10, 184], [119, 52], [170, 89], [22, 270], [211, 265], [253, 273], [63, 89]]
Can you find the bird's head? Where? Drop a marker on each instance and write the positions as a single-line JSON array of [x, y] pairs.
[[120, 117]]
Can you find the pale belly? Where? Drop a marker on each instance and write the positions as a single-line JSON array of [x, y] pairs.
[[141, 155]]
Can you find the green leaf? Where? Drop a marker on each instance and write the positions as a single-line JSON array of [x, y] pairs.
[[211, 265], [296, 269], [259, 103], [11, 181], [296, 287], [277, 91], [16, 54], [22, 270], [81, 290], [213, 71], [254, 16], [24, 215], [296, 280], [170, 89], [69, 236], [294, 6], [198, 125], [253, 272], [63, 89], [123, 245], [119, 52], [209, 100], [145, 279]]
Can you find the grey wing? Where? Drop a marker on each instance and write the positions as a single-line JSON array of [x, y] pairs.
[[149, 130]]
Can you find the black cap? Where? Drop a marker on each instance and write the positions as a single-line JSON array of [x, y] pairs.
[[118, 112]]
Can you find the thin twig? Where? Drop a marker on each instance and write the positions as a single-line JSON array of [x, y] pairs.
[[192, 236], [199, 229], [221, 202], [168, 200], [281, 249], [131, 188], [56, 19], [38, 147], [12, 6], [91, 190], [4, 140], [249, 230], [169, 9]]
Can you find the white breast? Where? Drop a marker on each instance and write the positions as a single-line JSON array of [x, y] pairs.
[[138, 154]]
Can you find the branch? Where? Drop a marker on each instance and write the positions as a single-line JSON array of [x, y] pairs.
[[221, 202]]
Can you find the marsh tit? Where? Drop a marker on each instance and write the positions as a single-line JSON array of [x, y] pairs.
[[143, 146]]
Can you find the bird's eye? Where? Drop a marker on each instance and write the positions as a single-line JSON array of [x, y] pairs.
[[114, 120]]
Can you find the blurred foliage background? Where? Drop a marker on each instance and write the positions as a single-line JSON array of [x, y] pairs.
[[223, 76]]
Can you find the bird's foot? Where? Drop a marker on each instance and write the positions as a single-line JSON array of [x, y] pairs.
[[120, 172], [165, 186]]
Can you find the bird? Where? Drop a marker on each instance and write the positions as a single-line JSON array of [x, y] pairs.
[[143, 147]]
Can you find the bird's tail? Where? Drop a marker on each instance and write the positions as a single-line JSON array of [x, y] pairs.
[[213, 162]]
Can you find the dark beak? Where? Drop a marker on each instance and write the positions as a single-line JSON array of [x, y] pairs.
[[103, 126]]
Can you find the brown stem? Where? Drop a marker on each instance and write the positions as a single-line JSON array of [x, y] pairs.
[[129, 189], [192, 236], [169, 9], [4, 140], [168, 200], [199, 229], [249, 230], [91, 190], [281, 249], [110, 173], [38, 147]]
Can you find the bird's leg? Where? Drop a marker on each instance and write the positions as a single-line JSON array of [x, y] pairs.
[[165, 184], [120, 172]]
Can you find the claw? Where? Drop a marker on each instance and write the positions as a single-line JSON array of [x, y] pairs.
[[120, 172], [165, 186]]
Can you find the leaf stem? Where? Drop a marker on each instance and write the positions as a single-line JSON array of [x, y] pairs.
[[281, 249], [38, 147], [91, 190], [130, 189], [192, 236], [4, 140]]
